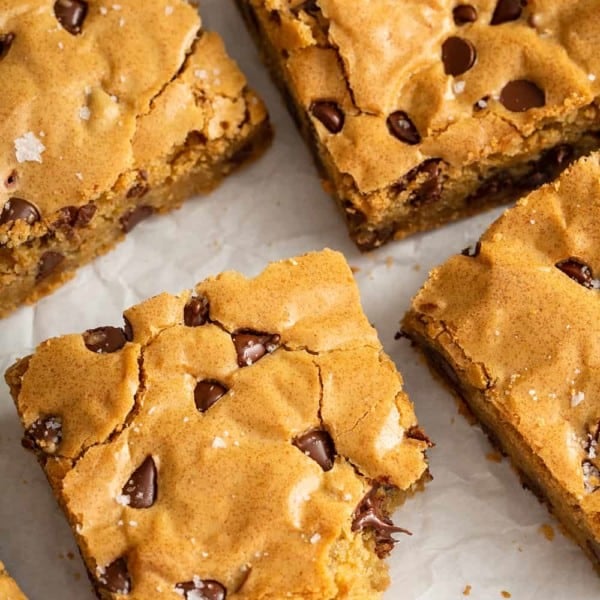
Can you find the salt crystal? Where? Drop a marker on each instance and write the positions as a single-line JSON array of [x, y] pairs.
[[219, 442], [28, 148], [85, 113], [168, 10], [315, 538], [577, 399], [123, 499], [459, 87]]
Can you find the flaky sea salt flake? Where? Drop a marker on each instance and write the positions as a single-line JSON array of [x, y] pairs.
[[577, 398], [28, 148]]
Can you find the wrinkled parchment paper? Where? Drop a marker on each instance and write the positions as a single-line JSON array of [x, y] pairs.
[[474, 526]]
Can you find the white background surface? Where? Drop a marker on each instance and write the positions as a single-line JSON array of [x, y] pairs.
[[474, 525]]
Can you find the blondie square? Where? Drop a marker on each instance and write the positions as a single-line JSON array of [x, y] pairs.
[[513, 326], [245, 440], [109, 113], [423, 111]]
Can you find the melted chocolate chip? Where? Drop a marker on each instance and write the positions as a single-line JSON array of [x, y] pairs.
[[73, 216], [507, 10], [330, 114], [134, 217], [458, 55], [472, 251], [207, 392], [17, 209], [71, 14], [402, 128], [104, 340], [202, 589], [142, 486], [318, 445], [49, 262], [85, 214], [196, 311], [139, 189], [416, 433], [128, 330], [196, 138], [44, 434], [6, 40], [521, 95], [578, 271], [251, 346], [115, 577], [371, 515], [464, 13]]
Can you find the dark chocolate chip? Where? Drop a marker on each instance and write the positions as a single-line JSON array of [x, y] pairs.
[[128, 330], [310, 6], [371, 515], [207, 392], [507, 10], [251, 346], [196, 311], [464, 13], [104, 340], [318, 445], [458, 55], [6, 40], [431, 185], [275, 17], [73, 216], [578, 271], [402, 128], [202, 589], [71, 14], [85, 214], [134, 217], [195, 138], [330, 114], [49, 262], [115, 577], [416, 433], [521, 95], [17, 209], [138, 190], [472, 251], [44, 434], [142, 486]]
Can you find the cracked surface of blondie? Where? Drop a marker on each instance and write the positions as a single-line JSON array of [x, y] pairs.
[[248, 439]]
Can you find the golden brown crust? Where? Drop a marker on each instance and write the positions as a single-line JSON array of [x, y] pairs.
[[265, 412]]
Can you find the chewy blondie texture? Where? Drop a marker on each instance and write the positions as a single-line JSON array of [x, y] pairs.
[[110, 112], [8, 588], [246, 440], [513, 326], [423, 111]]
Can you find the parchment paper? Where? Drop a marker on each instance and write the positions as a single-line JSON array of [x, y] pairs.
[[474, 525]]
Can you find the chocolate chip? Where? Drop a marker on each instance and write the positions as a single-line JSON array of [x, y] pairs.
[[196, 138], [472, 251], [207, 392], [104, 340], [138, 190], [371, 515], [201, 589], [44, 434], [6, 40], [330, 114], [71, 14], [458, 55], [318, 445], [196, 311], [507, 10], [402, 128], [310, 6], [464, 13], [128, 330], [17, 209], [74, 216], [430, 182], [134, 217], [84, 215], [521, 95], [115, 577], [142, 485], [416, 433], [49, 262], [578, 271], [251, 346]]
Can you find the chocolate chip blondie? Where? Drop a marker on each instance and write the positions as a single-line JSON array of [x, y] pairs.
[[421, 112], [111, 112], [9, 590], [246, 440], [511, 325]]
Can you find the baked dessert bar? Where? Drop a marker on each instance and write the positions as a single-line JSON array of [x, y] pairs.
[[512, 326], [114, 111], [420, 112], [8, 588], [245, 440]]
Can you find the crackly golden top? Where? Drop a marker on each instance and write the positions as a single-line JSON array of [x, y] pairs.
[[234, 500], [381, 57], [522, 318], [8, 588], [78, 110]]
